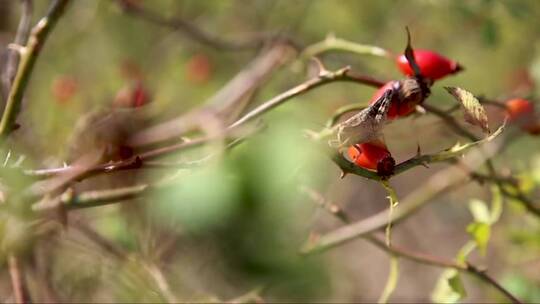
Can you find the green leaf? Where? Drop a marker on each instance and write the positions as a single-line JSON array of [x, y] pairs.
[[449, 287], [473, 111], [480, 232], [480, 211]]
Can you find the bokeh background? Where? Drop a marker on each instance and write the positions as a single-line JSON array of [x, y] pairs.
[[237, 224]]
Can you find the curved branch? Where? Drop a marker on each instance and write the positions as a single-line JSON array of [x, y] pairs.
[[332, 43], [192, 31]]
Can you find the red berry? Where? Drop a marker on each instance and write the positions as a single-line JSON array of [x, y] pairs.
[[432, 65], [519, 108], [368, 155], [199, 69], [140, 95], [521, 112], [132, 95], [64, 88]]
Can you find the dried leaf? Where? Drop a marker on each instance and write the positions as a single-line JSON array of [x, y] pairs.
[[473, 111]]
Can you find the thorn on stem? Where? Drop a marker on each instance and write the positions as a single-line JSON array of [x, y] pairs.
[[17, 48], [321, 69], [419, 109]]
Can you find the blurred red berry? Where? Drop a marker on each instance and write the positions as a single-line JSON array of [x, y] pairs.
[[519, 108], [521, 112], [64, 88], [432, 65], [199, 69], [133, 95]]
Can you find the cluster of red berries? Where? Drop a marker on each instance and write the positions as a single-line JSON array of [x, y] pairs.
[[433, 66]]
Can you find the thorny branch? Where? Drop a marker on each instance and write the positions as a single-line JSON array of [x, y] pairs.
[[438, 184], [21, 37], [139, 160], [29, 54]]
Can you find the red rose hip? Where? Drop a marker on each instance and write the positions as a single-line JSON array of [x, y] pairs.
[[432, 65], [368, 155]]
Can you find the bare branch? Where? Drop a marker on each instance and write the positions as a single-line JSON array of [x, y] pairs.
[[29, 55], [192, 31], [18, 281], [228, 103], [137, 162], [418, 257], [21, 36], [332, 43]]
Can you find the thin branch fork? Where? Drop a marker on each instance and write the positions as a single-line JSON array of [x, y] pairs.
[[440, 262], [399, 251]]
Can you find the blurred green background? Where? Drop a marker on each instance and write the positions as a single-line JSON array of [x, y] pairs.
[[237, 224]]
